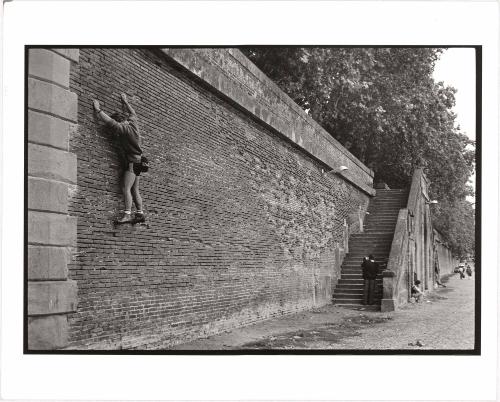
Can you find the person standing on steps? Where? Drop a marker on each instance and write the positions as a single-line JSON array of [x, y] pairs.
[[370, 271], [124, 126]]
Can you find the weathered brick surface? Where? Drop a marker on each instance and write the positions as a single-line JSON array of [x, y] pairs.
[[243, 225], [231, 73]]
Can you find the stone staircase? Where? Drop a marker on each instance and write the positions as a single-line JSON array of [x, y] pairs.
[[376, 239]]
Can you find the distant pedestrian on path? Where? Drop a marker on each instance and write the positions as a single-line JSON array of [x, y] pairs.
[[370, 271], [124, 126], [469, 271], [461, 272], [416, 292]]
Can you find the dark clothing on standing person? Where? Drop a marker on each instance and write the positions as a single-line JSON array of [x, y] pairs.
[[370, 271], [369, 291]]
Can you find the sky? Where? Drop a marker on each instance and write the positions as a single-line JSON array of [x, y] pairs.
[[456, 68]]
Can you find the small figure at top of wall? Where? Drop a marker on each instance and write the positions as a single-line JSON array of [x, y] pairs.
[[124, 126]]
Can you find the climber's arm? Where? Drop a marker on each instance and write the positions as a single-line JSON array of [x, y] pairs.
[[127, 105], [103, 116]]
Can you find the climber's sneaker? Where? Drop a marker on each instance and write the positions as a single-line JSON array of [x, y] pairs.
[[139, 217], [125, 218]]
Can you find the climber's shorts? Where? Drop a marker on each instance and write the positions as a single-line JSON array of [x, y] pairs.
[[135, 167]]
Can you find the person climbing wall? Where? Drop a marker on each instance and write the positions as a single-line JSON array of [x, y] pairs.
[[125, 127]]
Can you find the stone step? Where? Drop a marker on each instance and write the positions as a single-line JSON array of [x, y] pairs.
[[354, 296], [370, 249], [357, 269], [353, 263], [362, 246], [361, 254], [370, 243], [382, 226], [383, 211], [380, 234], [348, 286], [382, 223], [372, 240], [355, 302], [363, 235], [390, 199], [351, 270], [356, 276], [398, 197], [382, 216], [348, 290], [354, 289], [358, 306], [367, 250], [382, 207], [357, 283], [387, 229], [356, 262], [352, 255], [378, 229], [389, 236]]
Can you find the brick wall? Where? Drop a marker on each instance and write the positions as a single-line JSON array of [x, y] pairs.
[[242, 223]]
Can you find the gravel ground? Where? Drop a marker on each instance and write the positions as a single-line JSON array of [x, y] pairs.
[[444, 321]]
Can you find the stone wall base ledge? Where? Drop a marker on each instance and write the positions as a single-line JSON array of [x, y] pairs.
[[387, 305]]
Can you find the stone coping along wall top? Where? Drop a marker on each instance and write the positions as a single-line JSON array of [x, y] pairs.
[[235, 76]]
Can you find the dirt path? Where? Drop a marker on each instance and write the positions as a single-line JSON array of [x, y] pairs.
[[445, 320]]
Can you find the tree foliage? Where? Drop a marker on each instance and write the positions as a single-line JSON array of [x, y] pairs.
[[456, 221], [384, 106]]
